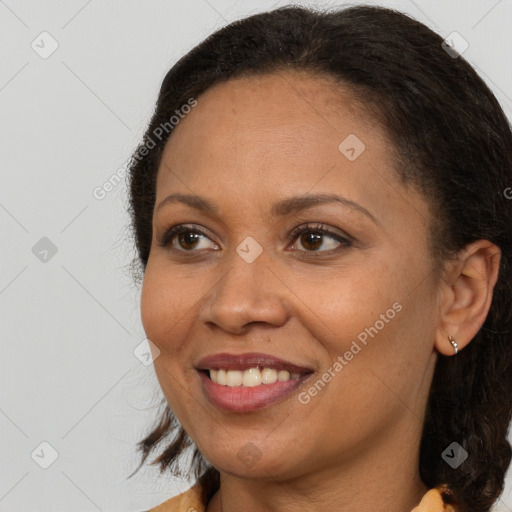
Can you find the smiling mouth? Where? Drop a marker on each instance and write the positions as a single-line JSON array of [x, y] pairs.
[[246, 382], [251, 377], [250, 389]]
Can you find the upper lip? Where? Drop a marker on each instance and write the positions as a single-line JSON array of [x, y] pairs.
[[228, 361]]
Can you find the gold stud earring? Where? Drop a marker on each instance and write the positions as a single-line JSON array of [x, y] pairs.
[[453, 342]]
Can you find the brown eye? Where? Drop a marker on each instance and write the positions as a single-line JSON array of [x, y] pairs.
[[311, 241], [188, 239], [313, 237], [185, 239]]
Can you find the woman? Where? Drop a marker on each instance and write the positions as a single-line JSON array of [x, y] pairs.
[[321, 216]]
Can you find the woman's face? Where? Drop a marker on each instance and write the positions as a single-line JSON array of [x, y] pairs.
[[350, 301]]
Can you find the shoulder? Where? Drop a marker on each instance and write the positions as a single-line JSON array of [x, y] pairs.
[[432, 501], [188, 501]]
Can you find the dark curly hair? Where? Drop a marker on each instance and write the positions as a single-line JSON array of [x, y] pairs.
[[451, 140]]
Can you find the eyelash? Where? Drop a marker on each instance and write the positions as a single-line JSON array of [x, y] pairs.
[[169, 235]]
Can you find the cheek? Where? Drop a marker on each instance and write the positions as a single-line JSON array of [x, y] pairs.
[[151, 306], [386, 349], [340, 304], [161, 307], [375, 318]]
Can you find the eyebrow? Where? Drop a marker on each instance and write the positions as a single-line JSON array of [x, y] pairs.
[[280, 209]]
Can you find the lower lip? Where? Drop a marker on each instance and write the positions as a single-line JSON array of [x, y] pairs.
[[245, 399]]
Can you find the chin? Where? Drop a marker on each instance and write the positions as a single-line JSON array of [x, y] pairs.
[[247, 459]]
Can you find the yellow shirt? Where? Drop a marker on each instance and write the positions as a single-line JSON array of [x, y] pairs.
[[190, 501]]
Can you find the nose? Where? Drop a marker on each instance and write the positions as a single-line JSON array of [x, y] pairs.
[[248, 293]]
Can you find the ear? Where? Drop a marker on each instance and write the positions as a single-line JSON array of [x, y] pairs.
[[466, 294]]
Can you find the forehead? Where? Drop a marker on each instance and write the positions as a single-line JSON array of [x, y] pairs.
[[293, 118], [252, 141], [294, 98]]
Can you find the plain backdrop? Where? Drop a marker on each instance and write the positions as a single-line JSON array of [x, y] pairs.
[[74, 396]]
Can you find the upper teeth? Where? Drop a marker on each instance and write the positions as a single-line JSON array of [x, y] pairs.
[[250, 377]]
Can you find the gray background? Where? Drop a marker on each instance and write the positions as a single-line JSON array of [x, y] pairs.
[[69, 320]]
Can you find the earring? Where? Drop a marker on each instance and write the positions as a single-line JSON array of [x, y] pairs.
[[453, 342]]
